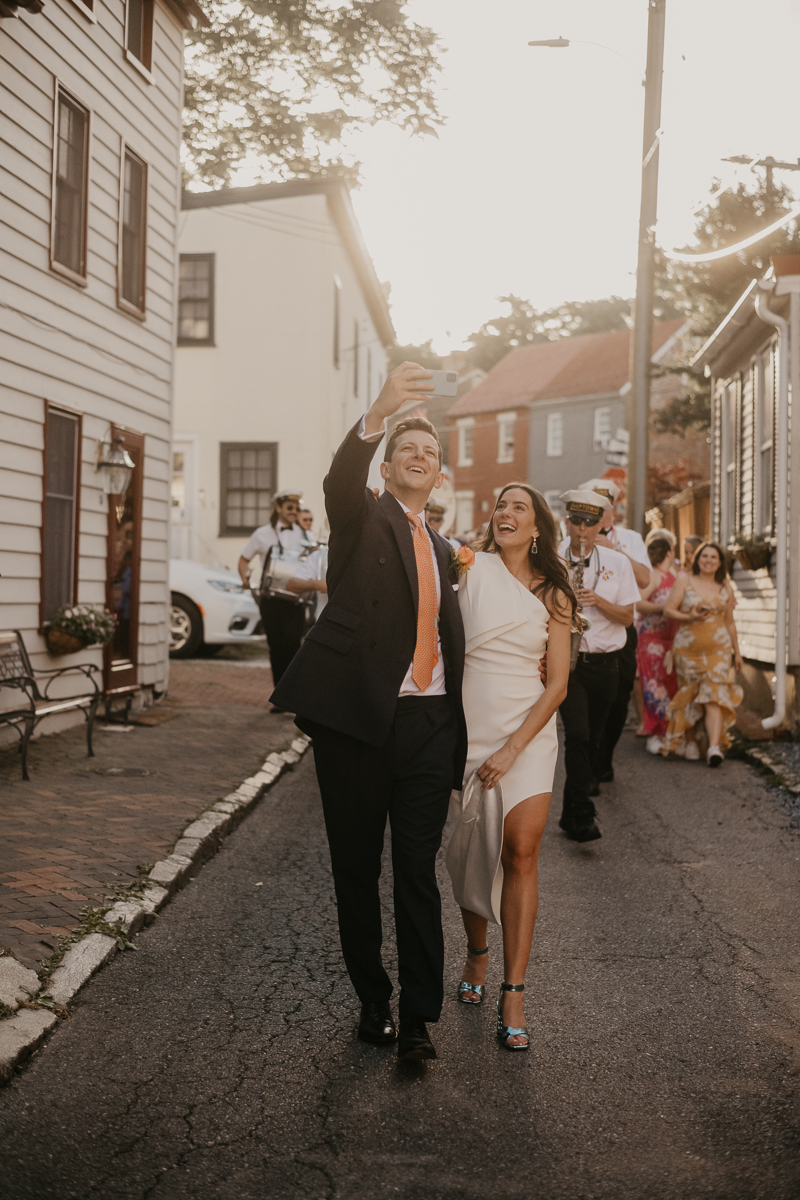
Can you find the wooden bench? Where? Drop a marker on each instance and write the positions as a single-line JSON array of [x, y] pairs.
[[16, 672]]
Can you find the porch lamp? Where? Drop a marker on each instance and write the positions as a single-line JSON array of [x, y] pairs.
[[116, 467]]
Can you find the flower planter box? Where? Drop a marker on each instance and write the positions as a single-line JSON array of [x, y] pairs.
[[753, 558], [59, 642]]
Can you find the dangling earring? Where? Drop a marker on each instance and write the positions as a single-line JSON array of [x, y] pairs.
[[534, 547]]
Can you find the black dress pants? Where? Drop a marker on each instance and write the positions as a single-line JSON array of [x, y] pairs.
[[618, 713], [590, 693], [408, 779], [283, 624]]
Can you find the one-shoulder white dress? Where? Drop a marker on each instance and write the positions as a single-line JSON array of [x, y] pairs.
[[506, 635]]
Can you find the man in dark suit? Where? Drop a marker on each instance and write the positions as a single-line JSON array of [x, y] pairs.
[[377, 684]]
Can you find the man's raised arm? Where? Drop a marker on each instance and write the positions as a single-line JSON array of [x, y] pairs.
[[345, 484]]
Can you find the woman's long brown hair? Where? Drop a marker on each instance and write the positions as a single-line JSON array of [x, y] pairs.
[[546, 561]]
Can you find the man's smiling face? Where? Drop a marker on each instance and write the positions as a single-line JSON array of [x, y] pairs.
[[415, 464]]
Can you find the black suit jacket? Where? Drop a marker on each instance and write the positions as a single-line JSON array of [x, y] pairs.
[[348, 672]]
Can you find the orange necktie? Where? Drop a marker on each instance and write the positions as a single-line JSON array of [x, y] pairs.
[[425, 652]]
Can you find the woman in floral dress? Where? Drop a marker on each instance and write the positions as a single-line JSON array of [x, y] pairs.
[[655, 634], [703, 604]]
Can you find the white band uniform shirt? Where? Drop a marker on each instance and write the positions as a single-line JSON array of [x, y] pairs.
[[267, 536], [615, 582], [408, 687], [631, 542]]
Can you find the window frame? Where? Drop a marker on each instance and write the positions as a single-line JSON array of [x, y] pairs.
[[764, 447], [466, 425], [600, 441], [82, 280], [122, 302], [229, 531], [729, 460], [337, 322], [143, 65], [76, 510], [212, 285], [556, 416], [506, 420]]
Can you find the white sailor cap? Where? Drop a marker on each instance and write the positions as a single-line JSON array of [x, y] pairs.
[[603, 487], [581, 500], [288, 494]]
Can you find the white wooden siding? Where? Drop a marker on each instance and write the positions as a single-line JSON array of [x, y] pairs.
[[73, 346]]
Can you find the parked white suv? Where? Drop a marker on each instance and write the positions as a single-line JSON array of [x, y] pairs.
[[209, 607]]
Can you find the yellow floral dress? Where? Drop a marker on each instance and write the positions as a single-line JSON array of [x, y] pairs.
[[702, 655]]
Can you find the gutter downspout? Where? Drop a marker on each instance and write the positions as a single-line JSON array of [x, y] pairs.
[[782, 502]]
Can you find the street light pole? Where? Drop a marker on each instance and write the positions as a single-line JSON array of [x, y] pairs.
[[642, 339]]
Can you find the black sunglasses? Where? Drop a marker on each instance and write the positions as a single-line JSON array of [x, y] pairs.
[[587, 521]]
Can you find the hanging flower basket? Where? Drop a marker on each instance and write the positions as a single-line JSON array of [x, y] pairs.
[[75, 626], [59, 642], [753, 558]]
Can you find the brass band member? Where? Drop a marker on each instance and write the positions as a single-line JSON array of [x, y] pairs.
[[606, 600]]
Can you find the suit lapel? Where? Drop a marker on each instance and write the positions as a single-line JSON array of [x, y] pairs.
[[401, 527]]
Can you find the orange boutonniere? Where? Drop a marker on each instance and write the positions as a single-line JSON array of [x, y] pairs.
[[462, 559]]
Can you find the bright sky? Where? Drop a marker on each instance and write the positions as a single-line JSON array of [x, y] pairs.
[[533, 184]]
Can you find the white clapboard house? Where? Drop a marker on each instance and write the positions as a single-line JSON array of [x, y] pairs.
[[90, 128], [753, 359], [282, 336]]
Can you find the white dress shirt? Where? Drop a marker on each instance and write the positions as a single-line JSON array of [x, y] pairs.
[[290, 537], [610, 575], [436, 686]]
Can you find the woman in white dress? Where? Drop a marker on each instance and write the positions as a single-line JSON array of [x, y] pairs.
[[517, 603]]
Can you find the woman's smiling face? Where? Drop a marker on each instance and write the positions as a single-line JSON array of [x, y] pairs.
[[514, 520], [709, 562]]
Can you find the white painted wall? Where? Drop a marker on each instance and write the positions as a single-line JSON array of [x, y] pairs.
[[270, 377], [72, 345]]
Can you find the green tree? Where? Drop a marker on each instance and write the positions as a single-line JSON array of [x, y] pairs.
[[280, 81], [705, 292], [424, 354], [526, 326]]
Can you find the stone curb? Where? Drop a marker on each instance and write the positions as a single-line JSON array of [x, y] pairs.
[[21, 1034], [762, 758]]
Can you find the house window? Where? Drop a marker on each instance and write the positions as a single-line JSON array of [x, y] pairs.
[[59, 518], [602, 428], [337, 321], [70, 172], [465, 428], [464, 512], [139, 32], [505, 437], [248, 471], [765, 434], [356, 353], [555, 434], [196, 300], [728, 514], [555, 503], [133, 233]]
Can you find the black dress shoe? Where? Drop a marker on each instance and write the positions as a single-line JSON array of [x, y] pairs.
[[594, 788], [578, 823], [413, 1043], [606, 776], [376, 1024]]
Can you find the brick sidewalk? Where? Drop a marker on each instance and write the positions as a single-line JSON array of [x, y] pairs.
[[83, 826]]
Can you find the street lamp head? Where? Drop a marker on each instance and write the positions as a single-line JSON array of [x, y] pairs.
[[555, 43]]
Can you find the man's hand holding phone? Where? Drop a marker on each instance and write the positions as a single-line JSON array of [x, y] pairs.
[[407, 382]]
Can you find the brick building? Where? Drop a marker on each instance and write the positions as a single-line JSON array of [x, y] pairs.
[[546, 413]]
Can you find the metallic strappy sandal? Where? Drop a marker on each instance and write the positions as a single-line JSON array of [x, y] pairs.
[[504, 1032], [477, 988]]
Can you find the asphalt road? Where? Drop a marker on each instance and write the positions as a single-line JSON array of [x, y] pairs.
[[219, 1061]]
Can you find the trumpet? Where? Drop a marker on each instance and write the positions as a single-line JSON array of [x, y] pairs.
[[581, 624]]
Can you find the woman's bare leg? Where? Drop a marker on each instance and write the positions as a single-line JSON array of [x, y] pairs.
[[713, 723], [474, 971], [522, 839]]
